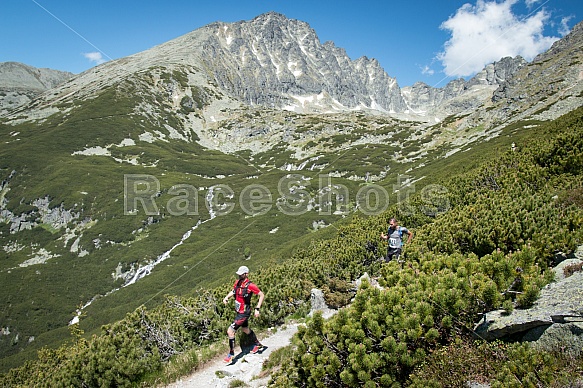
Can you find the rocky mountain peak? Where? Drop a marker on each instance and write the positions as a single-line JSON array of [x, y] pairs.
[[552, 80], [459, 95], [497, 73], [275, 61], [573, 41], [20, 76]]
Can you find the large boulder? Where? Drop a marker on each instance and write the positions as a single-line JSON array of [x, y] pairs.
[[554, 322]]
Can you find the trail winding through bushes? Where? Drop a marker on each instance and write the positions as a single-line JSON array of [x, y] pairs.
[[246, 367]]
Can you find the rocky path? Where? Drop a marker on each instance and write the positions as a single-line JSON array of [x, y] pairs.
[[246, 367]]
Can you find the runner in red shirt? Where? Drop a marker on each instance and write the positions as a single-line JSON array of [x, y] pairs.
[[243, 290]]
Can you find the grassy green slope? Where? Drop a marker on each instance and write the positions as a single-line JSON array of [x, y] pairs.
[[41, 160], [461, 262], [40, 299]]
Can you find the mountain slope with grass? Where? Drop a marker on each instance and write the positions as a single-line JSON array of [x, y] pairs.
[[417, 330], [149, 177]]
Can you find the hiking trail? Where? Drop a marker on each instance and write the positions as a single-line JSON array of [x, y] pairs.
[[245, 367]]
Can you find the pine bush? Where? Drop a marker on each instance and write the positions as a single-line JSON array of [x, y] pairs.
[[489, 248]]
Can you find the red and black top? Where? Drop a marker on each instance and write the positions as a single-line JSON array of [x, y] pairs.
[[243, 290]]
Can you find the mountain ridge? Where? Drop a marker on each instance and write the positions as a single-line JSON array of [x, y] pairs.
[[277, 62], [20, 83]]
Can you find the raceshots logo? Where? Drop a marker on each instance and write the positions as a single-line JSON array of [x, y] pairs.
[[295, 195]]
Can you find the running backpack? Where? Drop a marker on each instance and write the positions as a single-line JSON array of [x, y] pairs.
[[245, 294]]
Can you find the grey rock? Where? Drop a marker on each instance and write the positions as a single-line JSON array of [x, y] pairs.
[[498, 72], [567, 338], [474, 384], [371, 281], [20, 76], [552, 78], [559, 270], [560, 302], [272, 59], [319, 304], [460, 96]]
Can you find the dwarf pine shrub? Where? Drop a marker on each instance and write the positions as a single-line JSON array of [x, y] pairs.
[[490, 249]]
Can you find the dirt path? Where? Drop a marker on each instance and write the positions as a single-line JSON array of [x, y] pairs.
[[245, 367]]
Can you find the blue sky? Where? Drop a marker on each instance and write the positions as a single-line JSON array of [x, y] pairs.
[[430, 41]]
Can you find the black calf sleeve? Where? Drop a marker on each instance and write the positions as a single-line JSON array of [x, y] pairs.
[[253, 336], [232, 345]]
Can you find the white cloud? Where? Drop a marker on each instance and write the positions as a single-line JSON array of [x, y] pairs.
[[488, 31], [531, 3], [426, 70], [564, 28], [95, 57]]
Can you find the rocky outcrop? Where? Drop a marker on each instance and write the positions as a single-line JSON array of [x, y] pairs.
[[553, 78], [318, 303], [55, 218], [460, 96], [554, 322], [498, 72]]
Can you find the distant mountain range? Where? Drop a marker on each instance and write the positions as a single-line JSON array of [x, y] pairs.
[[223, 107], [277, 62], [20, 83]]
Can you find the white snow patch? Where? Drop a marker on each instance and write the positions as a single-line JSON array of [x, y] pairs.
[[374, 105], [274, 230], [293, 67]]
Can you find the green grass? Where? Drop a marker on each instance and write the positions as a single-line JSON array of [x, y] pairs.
[[92, 187]]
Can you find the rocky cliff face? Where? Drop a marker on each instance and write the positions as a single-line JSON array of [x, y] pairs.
[[461, 96], [553, 79], [275, 61], [20, 83]]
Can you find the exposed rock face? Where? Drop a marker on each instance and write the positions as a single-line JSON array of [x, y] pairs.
[[319, 304], [498, 72], [554, 322], [20, 83], [554, 75], [461, 96], [273, 60], [20, 76]]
